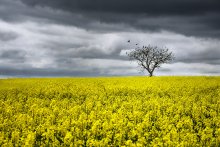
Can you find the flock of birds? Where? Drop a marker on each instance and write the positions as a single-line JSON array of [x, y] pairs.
[[130, 41]]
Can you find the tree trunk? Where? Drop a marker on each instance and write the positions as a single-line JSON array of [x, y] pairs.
[[150, 74]]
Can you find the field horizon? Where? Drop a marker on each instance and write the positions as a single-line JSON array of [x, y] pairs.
[[110, 76]]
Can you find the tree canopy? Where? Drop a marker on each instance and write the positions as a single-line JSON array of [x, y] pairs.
[[151, 57]]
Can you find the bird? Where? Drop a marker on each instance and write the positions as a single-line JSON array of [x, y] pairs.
[[129, 41], [136, 43]]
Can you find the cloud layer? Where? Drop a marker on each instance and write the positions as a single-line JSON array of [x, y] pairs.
[[82, 38]]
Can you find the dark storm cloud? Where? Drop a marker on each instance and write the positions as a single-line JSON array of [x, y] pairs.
[[207, 56], [69, 67], [7, 36], [12, 54], [20, 72], [156, 7], [88, 52], [189, 17], [92, 53]]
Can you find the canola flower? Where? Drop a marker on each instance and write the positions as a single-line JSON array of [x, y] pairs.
[[125, 111]]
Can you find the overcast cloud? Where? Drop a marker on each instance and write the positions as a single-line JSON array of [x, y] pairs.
[[89, 38]]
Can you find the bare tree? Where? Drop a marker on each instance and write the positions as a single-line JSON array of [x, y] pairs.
[[151, 57]]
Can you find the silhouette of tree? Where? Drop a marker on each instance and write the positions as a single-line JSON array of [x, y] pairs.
[[151, 57]]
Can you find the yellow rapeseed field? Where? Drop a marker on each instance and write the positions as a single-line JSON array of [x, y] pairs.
[[116, 111]]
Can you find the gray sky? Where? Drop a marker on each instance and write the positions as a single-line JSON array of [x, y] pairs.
[[89, 38]]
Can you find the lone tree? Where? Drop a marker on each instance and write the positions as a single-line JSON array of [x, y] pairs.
[[151, 57]]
